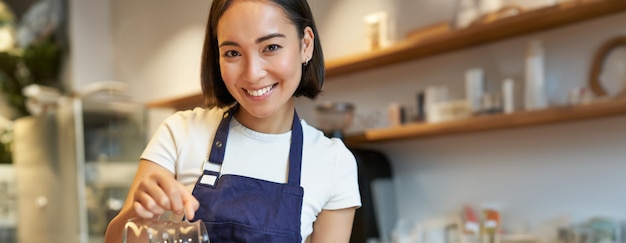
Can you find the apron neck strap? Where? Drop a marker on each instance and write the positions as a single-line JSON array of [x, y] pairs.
[[218, 148], [295, 151]]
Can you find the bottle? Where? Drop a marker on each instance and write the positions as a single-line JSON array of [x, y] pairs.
[[508, 100], [490, 6], [534, 95], [467, 12], [395, 114], [474, 88], [490, 228], [421, 110]]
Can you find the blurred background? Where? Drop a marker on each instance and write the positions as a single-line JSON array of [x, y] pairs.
[[492, 120]]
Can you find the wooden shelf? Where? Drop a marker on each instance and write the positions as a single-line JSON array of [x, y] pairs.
[[179, 103], [493, 122], [525, 23]]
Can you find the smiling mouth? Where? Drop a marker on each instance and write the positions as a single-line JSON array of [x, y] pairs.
[[260, 92]]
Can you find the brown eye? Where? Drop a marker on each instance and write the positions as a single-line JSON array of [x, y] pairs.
[[272, 48], [231, 53]]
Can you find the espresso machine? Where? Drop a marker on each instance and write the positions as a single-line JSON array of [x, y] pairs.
[[373, 167]]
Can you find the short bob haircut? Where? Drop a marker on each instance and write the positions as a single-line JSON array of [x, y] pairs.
[[213, 87]]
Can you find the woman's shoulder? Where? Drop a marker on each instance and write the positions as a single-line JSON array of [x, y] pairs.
[[198, 114], [316, 139], [314, 135], [194, 121]]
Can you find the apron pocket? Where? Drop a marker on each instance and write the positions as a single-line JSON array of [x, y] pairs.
[[236, 232]]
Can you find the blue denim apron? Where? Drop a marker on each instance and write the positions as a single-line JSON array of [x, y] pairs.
[[242, 209]]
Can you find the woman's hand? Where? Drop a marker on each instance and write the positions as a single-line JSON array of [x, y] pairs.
[[154, 191], [158, 192]]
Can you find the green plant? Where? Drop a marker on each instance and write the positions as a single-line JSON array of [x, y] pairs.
[[36, 58], [13, 77], [6, 141], [43, 61], [38, 63]]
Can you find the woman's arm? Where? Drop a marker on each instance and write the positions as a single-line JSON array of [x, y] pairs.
[[153, 191], [333, 226]]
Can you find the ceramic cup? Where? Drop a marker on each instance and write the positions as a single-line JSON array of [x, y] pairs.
[[138, 230]]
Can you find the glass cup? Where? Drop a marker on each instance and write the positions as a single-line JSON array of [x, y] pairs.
[[139, 230]]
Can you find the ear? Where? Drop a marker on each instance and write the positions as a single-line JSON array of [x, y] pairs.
[[308, 41]]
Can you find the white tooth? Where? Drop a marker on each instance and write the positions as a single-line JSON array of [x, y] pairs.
[[260, 91]]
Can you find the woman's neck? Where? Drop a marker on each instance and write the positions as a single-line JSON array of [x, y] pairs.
[[279, 122]]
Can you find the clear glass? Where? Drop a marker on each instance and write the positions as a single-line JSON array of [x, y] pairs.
[[139, 230]]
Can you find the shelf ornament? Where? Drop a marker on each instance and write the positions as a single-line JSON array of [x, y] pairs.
[[608, 70]]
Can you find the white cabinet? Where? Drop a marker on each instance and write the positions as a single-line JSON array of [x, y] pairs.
[[71, 164]]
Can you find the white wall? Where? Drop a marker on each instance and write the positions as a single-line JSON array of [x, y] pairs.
[[157, 45], [537, 173], [91, 51], [153, 46]]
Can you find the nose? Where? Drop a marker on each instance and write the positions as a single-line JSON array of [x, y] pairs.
[[255, 68]]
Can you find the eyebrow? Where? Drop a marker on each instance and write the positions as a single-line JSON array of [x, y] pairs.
[[259, 40]]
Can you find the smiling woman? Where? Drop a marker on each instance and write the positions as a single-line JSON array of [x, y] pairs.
[[279, 179], [254, 60]]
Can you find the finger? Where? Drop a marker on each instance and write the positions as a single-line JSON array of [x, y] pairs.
[[175, 192], [153, 187], [148, 203], [141, 211], [191, 205], [148, 193], [190, 212]]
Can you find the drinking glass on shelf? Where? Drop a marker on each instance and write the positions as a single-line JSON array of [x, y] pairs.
[[138, 230]]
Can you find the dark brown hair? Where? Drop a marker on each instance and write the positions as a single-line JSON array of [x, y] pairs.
[[213, 87]]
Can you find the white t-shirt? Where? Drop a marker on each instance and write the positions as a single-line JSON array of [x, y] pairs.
[[329, 172]]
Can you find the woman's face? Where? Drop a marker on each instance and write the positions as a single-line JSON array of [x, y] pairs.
[[261, 56]]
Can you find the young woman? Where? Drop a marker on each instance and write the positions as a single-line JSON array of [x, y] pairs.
[[247, 165]]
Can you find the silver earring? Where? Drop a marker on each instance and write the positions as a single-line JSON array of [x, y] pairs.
[[307, 61]]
